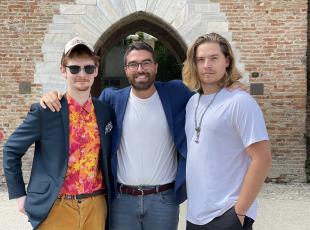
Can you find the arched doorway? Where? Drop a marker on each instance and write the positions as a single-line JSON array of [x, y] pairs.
[[138, 21]]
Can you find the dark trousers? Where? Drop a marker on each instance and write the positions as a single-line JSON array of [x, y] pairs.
[[228, 221]]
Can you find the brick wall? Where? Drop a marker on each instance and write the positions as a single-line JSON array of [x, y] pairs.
[[23, 25], [271, 38], [308, 87]]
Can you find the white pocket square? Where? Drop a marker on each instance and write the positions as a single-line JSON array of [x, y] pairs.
[[108, 128]]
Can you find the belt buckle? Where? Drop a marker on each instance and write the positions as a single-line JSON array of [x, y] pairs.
[[71, 197], [120, 188], [141, 190]]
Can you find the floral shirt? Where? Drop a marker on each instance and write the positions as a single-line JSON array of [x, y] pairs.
[[83, 173]]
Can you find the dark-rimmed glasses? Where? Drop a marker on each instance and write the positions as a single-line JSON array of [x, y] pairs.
[[75, 69], [133, 66]]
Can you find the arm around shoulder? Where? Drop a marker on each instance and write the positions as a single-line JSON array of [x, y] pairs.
[[105, 95], [51, 100], [182, 89]]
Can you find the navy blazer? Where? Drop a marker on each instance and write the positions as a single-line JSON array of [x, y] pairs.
[[174, 96], [50, 133]]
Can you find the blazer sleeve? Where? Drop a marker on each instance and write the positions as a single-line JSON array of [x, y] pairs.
[[15, 148], [103, 96], [107, 95]]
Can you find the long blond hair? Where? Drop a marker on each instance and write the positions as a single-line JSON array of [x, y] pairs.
[[190, 73]]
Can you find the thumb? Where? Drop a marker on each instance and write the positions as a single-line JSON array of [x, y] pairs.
[[59, 95]]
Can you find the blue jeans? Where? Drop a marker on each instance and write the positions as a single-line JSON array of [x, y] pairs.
[[149, 212]]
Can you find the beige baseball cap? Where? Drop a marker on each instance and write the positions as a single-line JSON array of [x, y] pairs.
[[75, 42]]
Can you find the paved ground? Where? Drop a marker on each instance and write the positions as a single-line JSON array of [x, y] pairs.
[[282, 207]]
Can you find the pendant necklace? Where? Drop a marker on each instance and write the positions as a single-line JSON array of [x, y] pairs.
[[198, 127]]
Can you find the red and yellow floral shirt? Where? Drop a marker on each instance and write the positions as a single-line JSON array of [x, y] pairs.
[[83, 173]]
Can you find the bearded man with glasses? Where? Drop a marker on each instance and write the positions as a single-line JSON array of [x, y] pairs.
[[149, 151], [69, 186]]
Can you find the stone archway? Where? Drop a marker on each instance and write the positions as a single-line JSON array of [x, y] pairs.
[[143, 21], [175, 22], [139, 21]]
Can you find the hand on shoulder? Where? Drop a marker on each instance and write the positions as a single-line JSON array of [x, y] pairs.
[[51, 100], [238, 85]]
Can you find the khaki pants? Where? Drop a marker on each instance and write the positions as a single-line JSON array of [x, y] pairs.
[[85, 214]]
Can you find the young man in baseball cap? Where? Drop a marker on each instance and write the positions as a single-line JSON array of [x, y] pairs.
[[69, 187]]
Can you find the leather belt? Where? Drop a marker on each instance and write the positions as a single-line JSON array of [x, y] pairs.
[[82, 196], [141, 190]]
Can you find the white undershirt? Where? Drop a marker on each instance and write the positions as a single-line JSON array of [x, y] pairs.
[[147, 154], [216, 166]]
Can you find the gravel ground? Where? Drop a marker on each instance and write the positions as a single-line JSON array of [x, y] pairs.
[[282, 207]]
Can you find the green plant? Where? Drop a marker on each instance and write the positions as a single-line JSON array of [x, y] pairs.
[[168, 68], [141, 35]]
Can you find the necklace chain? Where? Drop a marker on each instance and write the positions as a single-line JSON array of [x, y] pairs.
[[198, 127]]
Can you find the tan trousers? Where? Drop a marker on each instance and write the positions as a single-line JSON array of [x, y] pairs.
[[85, 214]]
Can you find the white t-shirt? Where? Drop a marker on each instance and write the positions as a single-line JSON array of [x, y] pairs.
[[216, 166], [147, 154]]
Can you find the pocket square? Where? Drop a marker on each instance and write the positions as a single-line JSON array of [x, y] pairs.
[[108, 128]]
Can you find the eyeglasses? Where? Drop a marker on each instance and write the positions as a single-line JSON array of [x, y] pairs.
[[75, 69], [133, 66]]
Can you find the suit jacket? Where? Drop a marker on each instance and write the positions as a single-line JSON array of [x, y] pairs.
[[174, 97], [50, 133]]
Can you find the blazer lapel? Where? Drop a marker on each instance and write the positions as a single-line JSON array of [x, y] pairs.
[[101, 121], [65, 118], [120, 108], [166, 105]]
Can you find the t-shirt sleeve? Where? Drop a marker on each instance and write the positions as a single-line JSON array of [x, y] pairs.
[[248, 120]]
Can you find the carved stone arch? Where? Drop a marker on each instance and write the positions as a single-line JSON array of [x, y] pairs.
[[139, 21], [146, 22], [176, 23]]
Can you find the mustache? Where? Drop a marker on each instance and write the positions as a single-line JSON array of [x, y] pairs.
[[82, 80], [209, 72], [142, 74]]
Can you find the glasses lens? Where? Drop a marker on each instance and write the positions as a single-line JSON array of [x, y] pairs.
[[146, 64], [133, 66], [74, 69], [89, 69]]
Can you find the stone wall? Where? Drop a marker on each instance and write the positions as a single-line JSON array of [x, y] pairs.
[[269, 38]]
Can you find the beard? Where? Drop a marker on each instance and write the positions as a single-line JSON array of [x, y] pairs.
[[142, 85]]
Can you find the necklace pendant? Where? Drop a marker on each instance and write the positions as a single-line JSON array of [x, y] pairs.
[[197, 134], [198, 122]]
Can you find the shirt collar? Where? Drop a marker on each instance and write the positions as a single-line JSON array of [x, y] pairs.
[[86, 107]]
